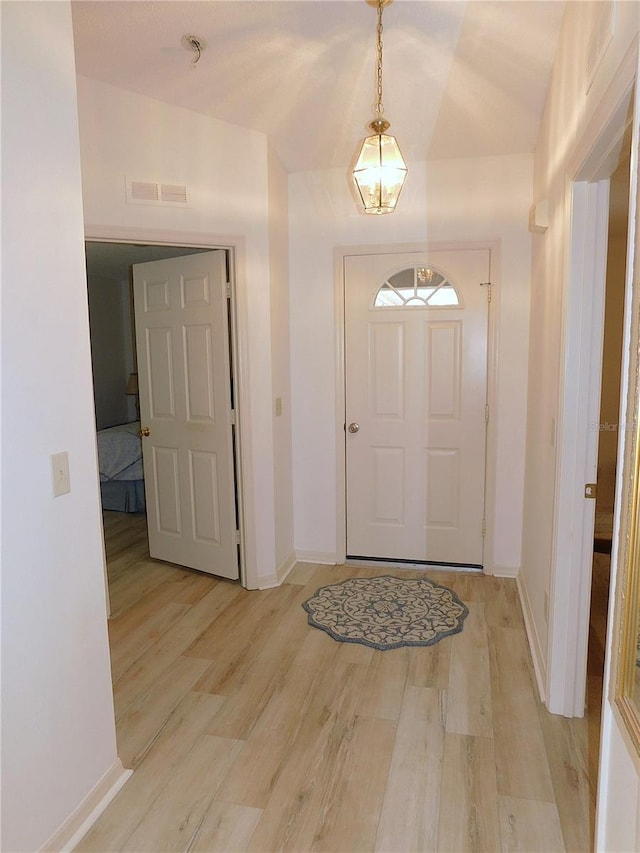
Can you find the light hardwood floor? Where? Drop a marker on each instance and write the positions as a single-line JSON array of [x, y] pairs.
[[249, 730]]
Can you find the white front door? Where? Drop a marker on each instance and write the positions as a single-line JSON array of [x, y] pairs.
[[416, 393], [182, 338]]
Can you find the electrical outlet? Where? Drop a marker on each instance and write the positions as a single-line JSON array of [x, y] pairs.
[[60, 471]]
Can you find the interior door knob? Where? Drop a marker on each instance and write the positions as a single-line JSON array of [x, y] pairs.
[[145, 432], [354, 427]]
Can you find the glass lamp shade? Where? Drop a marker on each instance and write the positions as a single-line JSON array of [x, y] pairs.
[[380, 173]]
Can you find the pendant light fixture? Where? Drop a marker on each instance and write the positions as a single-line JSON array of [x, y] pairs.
[[380, 171]]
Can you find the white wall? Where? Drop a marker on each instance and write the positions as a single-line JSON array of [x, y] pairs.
[[573, 119], [281, 361], [225, 169], [487, 199], [58, 737]]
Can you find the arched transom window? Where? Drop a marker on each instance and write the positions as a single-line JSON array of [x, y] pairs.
[[417, 287]]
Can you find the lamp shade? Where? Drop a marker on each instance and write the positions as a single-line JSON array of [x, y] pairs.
[[132, 384], [380, 173]]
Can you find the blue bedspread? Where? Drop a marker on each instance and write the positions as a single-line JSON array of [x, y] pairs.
[[120, 452]]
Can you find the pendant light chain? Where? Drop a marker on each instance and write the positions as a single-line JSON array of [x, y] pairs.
[[379, 106]]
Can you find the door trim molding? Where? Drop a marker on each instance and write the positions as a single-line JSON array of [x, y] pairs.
[[340, 253], [577, 450], [586, 194], [235, 245]]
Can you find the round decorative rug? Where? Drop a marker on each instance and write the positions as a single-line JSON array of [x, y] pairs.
[[386, 612]]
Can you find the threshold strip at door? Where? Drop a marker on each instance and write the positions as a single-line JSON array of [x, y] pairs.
[[414, 565]]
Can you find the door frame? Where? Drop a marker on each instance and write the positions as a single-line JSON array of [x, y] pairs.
[[235, 247], [340, 253], [587, 215]]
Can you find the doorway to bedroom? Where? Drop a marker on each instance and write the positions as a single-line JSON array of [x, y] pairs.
[[178, 511]]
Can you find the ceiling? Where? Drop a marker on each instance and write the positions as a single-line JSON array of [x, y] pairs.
[[461, 79]]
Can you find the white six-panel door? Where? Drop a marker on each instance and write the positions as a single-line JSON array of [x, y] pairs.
[[416, 393], [182, 338]]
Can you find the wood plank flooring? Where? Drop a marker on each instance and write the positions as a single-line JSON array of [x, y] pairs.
[[248, 730]]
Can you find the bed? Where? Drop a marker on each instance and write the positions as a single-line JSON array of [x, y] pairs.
[[120, 463]]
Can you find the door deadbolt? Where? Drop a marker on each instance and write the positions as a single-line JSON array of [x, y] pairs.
[[354, 427]]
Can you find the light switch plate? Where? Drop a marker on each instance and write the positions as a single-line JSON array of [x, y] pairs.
[[60, 471]]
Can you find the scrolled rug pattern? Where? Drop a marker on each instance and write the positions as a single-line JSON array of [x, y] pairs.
[[386, 612]]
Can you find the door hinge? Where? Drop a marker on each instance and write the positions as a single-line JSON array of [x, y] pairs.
[[486, 413], [487, 284], [237, 537], [232, 415], [228, 291], [484, 526]]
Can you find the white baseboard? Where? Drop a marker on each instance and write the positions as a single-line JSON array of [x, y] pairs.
[[506, 571], [80, 821], [285, 567], [539, 663], [280, 574], [324, 558]]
